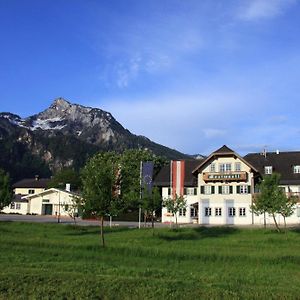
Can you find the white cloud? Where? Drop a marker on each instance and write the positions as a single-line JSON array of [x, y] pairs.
[[262, 9], [213, 132]]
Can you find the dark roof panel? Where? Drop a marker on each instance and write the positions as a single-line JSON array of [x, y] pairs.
[[163, 177], [32, 183], [282, 163]]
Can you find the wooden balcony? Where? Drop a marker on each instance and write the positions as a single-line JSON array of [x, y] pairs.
[[225, 176], [289, 194]]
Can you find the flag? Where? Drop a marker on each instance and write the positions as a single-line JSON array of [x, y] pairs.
[[177, 170], [146, 175]]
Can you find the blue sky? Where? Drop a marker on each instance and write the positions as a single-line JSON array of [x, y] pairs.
[[192, 75]]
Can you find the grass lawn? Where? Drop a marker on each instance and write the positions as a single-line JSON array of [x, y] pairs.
[[52, 261]]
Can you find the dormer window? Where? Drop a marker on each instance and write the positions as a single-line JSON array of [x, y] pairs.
[[268, 169], [296, 169]]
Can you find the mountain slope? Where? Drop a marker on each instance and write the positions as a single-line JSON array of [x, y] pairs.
[[65, 135]]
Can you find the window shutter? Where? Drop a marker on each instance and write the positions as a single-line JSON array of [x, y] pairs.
[[230, 189], [184, 191], [249, 189], [195, 191], [202, 189], [238, 189], [169, 191], [212, 189], [220, 189]]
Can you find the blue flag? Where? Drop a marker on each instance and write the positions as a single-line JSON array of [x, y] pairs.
[[147, 174]]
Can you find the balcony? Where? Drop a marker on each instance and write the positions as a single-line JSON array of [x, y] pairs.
[[289, 194], [225, 176]]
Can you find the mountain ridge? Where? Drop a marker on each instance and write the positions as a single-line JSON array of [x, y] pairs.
[[66, 135]]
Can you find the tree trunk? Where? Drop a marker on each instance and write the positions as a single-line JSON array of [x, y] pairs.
[[265, 223], [284, 223], [152, 220], [102, 232], [277, 227]]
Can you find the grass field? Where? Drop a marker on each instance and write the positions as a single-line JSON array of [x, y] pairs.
[[51, 261]]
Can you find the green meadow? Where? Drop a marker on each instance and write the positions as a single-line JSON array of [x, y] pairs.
[[52, 261]]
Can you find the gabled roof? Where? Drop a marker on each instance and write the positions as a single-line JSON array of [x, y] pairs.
[[48, 191], [282, 163], [32, 183], [163, 177], [223, 151]]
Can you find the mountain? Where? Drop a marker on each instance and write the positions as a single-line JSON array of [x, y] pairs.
[[65, 135]]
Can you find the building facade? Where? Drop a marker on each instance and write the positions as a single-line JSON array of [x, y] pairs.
[[220, 189]]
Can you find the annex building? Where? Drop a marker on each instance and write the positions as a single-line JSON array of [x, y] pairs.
[[221, 188], [31, 196]]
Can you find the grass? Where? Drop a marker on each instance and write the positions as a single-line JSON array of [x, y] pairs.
[[51, 261]]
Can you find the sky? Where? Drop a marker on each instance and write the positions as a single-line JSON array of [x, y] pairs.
[[189, 74]]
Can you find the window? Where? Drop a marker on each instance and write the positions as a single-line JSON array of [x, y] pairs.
[[218, 211], [242, 212], [243, 189], [190, 191], [225, 167], [169, 191], [268, 169], [193, 212], [12, 205], [296, 169], [238, 166], [213, 167], [182, 212], [231, 211], [225, 189], [30, 191], [18, 205], [207, 189], [207, 211]]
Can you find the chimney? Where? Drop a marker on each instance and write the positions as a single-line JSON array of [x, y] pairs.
[[277, 151], [37, 177], [68, 187]]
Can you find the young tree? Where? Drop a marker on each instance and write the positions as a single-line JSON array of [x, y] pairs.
[[151, 202], [271, 199], [174, 205], [74, 208], [5, 192], [99, 179], [288, 207]]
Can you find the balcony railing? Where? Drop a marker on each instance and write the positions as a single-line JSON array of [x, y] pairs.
[[225, 176]]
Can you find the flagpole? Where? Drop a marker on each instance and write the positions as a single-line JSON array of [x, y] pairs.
[[140, 209]]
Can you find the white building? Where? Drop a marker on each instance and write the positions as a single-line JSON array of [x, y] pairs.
[[31, 196], [221, 188]]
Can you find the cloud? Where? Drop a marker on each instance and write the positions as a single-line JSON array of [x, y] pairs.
[[213, 132], [251, 10]]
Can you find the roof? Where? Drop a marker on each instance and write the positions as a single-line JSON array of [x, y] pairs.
[[224, 151], [282, 163], [48, 191], [163, 177], [32, 183]]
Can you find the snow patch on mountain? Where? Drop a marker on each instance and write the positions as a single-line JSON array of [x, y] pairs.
[[47, 124]]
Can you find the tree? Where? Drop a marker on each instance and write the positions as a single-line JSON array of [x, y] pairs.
[[271, 199], [61, 178], [130, 162], [100, 192], [5, 192], [174, 205], [288, 207], [74, 208], [151, 202]]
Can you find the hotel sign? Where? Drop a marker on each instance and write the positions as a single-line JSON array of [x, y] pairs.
[[228, 176]]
